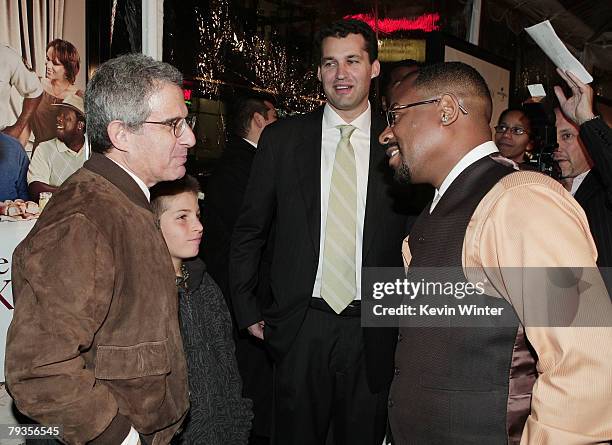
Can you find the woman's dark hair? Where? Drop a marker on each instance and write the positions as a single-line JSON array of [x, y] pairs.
[[68, 56]]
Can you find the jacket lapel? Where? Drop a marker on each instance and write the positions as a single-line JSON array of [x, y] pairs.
[[376, 174], [308, 162], [106, 168], [588, 188]]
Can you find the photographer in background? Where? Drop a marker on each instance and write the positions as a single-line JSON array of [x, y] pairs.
[[585, 158]]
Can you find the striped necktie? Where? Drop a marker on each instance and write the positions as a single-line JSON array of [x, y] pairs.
[[338, 286]]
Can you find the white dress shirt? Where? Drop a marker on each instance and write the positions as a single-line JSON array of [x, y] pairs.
[[250, 142], [139, 181], [360, 140], [577, 181], [470, 157]]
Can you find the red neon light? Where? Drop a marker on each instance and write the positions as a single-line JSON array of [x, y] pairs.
[[187, 94], [425, 22]]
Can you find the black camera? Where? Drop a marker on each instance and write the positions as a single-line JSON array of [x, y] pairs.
[[544, 138]]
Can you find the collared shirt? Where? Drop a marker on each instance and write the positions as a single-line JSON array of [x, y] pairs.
[[470, 157], [13, 73], [138, 181], [250, 142], [577, 181], [53, 162], [360, 140]]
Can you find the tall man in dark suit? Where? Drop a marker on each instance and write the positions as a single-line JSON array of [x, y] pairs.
[[585, 159], [224, 196], [321, 180]]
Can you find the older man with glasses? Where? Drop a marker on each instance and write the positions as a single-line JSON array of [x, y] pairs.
[[94, 346]]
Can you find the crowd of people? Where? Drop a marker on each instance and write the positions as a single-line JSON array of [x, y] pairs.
[[122, 334], [52, 114]]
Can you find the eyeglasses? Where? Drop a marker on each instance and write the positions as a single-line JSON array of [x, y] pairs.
[[392, 112], [500, 129], [178, 125]]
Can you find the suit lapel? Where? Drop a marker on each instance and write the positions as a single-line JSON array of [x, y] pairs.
[[308, 162], [588, 188], [376, 175]]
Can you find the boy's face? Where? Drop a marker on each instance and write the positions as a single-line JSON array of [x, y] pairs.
[[180, 224]]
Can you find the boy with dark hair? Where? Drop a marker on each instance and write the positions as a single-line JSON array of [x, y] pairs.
[[219, 414]]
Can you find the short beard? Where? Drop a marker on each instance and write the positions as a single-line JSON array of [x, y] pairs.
[[402, 174]]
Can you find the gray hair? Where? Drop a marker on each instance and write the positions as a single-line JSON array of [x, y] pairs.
[[120, 90]]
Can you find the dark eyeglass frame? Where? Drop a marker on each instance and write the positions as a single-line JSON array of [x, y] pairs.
[[178, 125], [517, 131], [391, 113]]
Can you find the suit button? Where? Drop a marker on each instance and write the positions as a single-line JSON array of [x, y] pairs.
[[390, 404], [420, 239], [396, 371]]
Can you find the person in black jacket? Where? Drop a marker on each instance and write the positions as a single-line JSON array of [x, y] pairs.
[[220, 210], [219, 415], [331, 376], [585, 158]]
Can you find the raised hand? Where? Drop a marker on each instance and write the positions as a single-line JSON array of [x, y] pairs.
[[579, 106]]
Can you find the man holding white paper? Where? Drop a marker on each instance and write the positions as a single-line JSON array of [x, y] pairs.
[[585, 158]]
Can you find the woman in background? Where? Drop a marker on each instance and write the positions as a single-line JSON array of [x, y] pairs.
[[61, 68]]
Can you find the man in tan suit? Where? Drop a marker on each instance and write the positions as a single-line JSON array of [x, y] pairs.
[[525, 380]]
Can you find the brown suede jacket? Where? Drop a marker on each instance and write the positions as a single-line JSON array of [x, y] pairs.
[[94, 344]]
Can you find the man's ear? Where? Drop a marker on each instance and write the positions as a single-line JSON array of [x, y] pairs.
[[259, 120], [118, 135], [375, 69], [319, 73], [448, 109]]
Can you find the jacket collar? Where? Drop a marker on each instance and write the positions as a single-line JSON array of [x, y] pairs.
[[101, 165], [196, 269]]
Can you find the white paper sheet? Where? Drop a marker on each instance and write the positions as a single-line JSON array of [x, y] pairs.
[[536, 90], [546, 38]]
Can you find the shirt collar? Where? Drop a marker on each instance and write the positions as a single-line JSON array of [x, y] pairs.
[[62, 148], [138, 181], [470, 157], [577, 181], [250, 142], [331, 119]]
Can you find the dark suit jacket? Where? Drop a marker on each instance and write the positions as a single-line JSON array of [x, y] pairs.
[[595, 192], [221, 208], [284, 189]]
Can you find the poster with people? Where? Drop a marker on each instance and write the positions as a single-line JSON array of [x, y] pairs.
[[42, 126]]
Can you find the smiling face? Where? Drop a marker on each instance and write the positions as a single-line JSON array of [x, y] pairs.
[[346, 72], [513, 146], [54, 70], [154, 153], [413, 137], [68, 126], [180, 224]]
